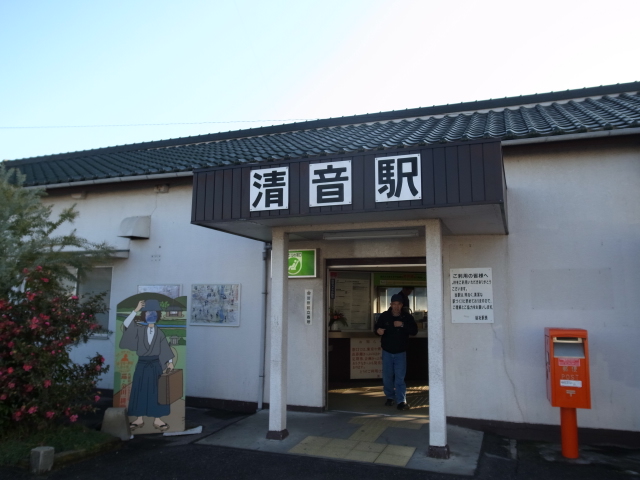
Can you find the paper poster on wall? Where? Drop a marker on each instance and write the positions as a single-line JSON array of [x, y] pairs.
[[471, 295], [366, 358], [353, 299], [215, 305], [151, 341]]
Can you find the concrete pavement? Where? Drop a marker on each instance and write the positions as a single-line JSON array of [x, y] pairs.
[[232, 446]]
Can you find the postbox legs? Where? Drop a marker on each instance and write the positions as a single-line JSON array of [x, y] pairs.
[[569, 432]]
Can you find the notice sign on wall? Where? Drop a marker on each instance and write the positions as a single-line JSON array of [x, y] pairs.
[[366, 358], [302, 263], [471, 295]]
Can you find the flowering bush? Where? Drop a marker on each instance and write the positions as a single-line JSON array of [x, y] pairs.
[[39, 383]]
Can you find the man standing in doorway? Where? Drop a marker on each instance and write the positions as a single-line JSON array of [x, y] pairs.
[[404, 293], [395, 327]]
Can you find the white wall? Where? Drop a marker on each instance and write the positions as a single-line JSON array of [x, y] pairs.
[[571, 260], [222, 362]]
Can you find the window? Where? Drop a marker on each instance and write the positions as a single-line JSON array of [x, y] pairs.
[[98, 280]]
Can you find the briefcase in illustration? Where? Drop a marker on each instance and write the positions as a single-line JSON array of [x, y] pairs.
[[170, 387]]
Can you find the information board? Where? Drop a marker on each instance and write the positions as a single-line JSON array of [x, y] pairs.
[[352, 299], [366, 358], [471, 295]]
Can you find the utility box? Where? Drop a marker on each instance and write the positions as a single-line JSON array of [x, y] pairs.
[[567, 355]]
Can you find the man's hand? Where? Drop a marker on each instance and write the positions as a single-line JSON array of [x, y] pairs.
[[140, 306], [380, 331], [169, 366], [398, 323]]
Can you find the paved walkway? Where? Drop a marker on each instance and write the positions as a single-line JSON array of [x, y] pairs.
[[400, 441]]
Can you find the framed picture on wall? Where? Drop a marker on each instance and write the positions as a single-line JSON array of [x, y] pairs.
[[215, 305], [171, 291]]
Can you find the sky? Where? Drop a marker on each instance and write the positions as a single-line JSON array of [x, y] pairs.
[[77, 75]]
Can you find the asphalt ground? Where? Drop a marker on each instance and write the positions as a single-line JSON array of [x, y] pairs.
[[156, 457]]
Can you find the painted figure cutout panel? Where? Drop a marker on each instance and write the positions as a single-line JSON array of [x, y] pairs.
[[150, 360]]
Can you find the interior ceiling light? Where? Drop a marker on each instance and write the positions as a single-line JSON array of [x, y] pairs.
[[369, 234]]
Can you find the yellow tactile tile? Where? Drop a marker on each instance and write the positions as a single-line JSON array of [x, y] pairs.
[[399, 450], [362, 456], [336, 448], [395, 455], [332, 453], [361, 445], [310, 445], [370, 447], [341, 443]]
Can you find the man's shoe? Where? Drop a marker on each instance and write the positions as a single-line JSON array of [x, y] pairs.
[[403, 406], [388, 403]]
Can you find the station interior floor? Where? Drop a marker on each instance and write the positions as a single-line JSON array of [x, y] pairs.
[[366, 396]]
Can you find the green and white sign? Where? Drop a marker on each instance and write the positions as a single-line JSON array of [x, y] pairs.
[[302, 263], [399, 279]]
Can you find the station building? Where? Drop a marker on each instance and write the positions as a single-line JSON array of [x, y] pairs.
[[506, 216]]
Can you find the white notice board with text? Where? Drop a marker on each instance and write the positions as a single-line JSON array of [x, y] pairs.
[[471, 295]]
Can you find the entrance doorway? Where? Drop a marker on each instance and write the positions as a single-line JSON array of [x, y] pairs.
[[359, 290]]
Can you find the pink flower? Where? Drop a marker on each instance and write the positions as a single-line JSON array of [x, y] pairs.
[[25, 270], [3, 396], [74, 297], [10, 344], [49, 415], [11, 386], [27, 367], [45, 280], [17, 415], [98, 368], [47, 383], [96, 398], [10, 370], [39, 268], [32, 410], [73, 418]]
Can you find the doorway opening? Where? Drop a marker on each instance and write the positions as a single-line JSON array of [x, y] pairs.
[[359, 291]]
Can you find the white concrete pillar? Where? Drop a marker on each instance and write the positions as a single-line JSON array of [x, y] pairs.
[[278, 335], [438, 446]]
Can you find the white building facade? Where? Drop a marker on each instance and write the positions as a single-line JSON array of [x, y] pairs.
[[562, 248]]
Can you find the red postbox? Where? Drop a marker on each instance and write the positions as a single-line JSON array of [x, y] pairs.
[[568, 385]]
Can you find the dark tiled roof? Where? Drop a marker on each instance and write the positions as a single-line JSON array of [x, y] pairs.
[[556, 113]]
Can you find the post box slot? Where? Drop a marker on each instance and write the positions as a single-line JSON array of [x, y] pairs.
[[567, 340], [573, 350]]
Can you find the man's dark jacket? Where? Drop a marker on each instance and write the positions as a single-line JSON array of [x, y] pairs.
[[396, 339]]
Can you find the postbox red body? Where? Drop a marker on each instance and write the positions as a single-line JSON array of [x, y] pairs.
[[567, 354]]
